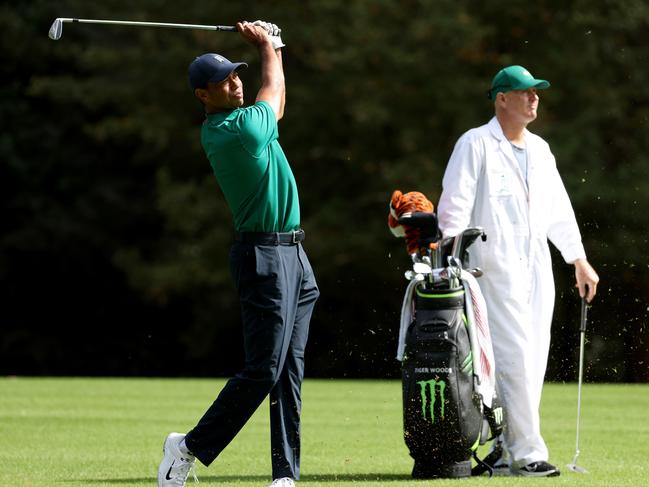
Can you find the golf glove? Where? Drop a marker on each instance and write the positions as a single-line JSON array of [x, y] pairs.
[[277, 42], [273, 32], [271, 29]]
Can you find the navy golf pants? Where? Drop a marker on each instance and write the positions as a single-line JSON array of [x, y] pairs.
[[277, 291]]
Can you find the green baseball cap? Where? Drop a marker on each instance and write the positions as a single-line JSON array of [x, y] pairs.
[[514, 78]]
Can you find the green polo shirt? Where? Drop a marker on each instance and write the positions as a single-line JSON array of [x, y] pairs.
[[251, 169]]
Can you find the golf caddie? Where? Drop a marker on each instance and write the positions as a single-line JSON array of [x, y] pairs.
[[276, 285], [504, 178]]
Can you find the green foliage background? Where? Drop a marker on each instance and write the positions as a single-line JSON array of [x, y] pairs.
[[113, 251]]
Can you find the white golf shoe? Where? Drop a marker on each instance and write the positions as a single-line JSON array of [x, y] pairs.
[[283, 482], [175, 465]]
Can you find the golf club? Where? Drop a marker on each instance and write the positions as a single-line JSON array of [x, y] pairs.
[[582, 331], [421, 268], [57, 26]]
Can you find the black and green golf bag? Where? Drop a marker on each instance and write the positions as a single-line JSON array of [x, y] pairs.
[[444, 417]]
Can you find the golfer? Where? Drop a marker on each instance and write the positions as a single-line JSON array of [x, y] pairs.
[[275, 282], [504, 178]]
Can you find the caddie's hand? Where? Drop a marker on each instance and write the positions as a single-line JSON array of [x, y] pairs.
[[586, 278], [254, 34], [273, 32]]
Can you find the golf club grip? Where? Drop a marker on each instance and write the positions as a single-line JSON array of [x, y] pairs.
[[584, 315]]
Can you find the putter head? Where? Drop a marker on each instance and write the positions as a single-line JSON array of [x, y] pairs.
[[576, 468], [56, 30]]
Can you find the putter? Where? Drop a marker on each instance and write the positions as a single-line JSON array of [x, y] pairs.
[[57, 26], [582, 331]]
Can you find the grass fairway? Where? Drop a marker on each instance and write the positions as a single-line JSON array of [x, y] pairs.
[[108, 432]]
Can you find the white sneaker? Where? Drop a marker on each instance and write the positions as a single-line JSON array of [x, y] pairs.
[[175, 465], [283, 482]]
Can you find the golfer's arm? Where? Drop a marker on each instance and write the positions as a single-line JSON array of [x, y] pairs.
[[281, 65], [272, 88]]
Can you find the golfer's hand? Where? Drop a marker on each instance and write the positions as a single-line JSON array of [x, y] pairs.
[[586, 278], [273, 32], [271, 29], [277, 42], [254, 34]]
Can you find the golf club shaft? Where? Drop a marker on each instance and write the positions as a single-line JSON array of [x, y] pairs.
[[225, 28], [582, 338], [581, 373]]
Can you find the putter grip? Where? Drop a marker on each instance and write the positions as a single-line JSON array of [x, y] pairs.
[[584, 315]]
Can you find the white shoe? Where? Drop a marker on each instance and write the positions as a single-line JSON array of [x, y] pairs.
[[283, 482], [175, 465]]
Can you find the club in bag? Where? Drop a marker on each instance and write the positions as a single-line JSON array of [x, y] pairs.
[[57, 26], [582, 332]]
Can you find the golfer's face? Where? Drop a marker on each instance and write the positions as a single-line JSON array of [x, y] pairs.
[[228, 93], [522, 104]]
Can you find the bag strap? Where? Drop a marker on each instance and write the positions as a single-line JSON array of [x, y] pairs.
[[487, 464], [482, 466]]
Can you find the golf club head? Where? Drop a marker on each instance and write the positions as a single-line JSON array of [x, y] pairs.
[[576, 468], [56, 31], [421, 268]]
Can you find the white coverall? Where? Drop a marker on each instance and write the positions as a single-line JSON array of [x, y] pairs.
[[484, 186]]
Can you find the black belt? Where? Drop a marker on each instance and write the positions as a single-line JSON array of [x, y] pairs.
[[272, 238]]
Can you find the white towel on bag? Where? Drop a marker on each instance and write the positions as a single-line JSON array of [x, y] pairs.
[[407, 309], [484, 366]]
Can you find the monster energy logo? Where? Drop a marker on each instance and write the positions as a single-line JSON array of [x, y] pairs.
[[498, 415], [432, 386]]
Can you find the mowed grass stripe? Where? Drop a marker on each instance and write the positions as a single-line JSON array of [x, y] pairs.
[[104, 431]]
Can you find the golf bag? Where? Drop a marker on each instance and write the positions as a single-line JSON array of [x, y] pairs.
[[445, 414]]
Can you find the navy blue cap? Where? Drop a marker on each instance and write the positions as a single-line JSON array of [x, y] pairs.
[[211, 67]]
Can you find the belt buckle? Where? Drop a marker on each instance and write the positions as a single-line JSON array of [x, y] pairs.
[[294, 239]]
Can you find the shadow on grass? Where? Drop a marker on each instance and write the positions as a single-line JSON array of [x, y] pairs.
[[327, 477]]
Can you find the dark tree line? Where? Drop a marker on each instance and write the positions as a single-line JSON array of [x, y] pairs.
[[113, 250]]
